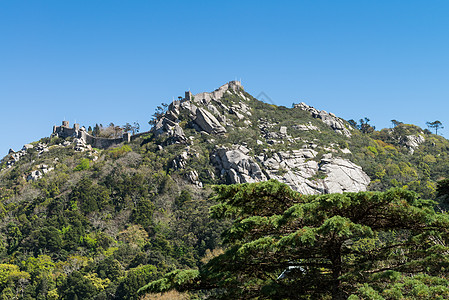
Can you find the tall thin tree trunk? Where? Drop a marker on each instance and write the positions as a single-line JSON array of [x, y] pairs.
[[337, 293]]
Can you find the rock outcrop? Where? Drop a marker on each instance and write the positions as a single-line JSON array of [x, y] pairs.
[[14, 157], [297, 168], [412, 142], [300, 168], [305, 127], [237, 167], [303, 172], [209, 114], [337, 124], [194, 178], [180, 161], [166, 126], [342, 176], [80, 145], [41, 148], [39, 172], [207, 122], [201, 119]]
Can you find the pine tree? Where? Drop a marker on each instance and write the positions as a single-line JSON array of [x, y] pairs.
[[435, 125], [96, 131], [283, 245]]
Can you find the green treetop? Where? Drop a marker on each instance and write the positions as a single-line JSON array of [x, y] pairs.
[[435, 125], [283, 245]]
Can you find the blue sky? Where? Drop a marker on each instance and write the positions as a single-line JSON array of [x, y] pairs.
[[115, 61]]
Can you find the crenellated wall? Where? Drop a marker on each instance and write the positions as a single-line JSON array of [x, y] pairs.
[[65, 131], [205, 98]]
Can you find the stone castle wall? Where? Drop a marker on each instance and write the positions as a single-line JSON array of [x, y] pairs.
[[65, 131], [205, 97], [135, 136]]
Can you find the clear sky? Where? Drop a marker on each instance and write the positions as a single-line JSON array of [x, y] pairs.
[[98, 61]]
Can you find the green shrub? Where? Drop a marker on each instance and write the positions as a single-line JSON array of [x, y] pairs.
[[83, 165], [143, 213], [120, 151]]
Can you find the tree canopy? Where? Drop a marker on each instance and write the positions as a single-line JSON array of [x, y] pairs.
[[435, 125], [363, 125], [283, 245]]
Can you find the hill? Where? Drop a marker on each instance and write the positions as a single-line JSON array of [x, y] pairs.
[[97, 216]]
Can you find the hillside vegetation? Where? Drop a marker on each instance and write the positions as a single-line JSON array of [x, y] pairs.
[[103, 223]]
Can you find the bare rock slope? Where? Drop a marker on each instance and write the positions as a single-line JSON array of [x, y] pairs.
[[307, 166]]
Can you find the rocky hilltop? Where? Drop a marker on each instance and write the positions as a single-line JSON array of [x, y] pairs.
[[228, 136], [301, 162]]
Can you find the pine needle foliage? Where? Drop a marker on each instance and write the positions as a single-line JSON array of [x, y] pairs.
[[283, 245]]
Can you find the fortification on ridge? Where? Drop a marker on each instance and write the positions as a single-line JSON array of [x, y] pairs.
[[65, 131]]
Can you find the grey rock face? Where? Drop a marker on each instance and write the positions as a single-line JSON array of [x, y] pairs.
[[413, 141], [202, 119], [236, 166], [193, 177], [305, 127], [170, 128], [16, 156], [27, 146], [206, 118], [343, 176], [37, 174], [236, 112], [329, 175], [207, 122], [190, 107], [299, 168], [80, 145], [329, 119], [41, 148], [295, 168], [213, 109], [180, 161], [283, 130]]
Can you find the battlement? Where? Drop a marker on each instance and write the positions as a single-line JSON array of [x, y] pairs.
[[188, 96], [65, 131], [205, 98]]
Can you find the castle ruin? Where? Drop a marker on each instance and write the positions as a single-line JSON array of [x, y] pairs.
[[65, 131]]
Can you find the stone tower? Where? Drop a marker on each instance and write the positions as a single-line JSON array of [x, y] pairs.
[[188, 96]]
